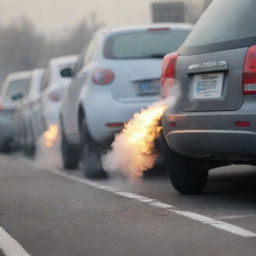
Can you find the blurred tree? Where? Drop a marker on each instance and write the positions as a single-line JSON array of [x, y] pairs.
[[22, 47]]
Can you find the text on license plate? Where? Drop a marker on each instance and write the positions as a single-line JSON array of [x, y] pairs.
[[207, 86], [149, 87]]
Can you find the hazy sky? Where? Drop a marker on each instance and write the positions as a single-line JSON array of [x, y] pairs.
[[55, 15]]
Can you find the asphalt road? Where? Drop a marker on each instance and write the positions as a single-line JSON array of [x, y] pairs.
[[47, 211]]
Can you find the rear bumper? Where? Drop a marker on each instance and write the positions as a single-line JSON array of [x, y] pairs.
[[115, 112], [212, 136], [51, 113], [220, 144]]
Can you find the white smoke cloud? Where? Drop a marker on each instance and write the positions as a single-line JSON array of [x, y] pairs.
[[132, 151]]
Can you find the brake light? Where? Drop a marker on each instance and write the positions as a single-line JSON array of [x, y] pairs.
[[249, 72], [55, 95], [103, 76], [1, 107], [168, 74]]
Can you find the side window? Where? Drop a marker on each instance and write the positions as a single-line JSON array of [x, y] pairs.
[[90, 52], [80, 62], [85, 56]]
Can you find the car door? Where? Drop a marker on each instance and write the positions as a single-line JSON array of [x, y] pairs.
[[72, 94], [71, 102]]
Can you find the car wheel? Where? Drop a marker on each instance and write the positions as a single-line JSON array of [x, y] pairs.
[[29, 144], [70, 154], [187, 175], [90, 158], [6, 147]]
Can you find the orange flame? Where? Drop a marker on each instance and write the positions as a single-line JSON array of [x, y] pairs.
[[133, 149], [51, 136]]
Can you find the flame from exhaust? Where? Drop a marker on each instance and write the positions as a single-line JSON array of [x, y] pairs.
[[133, 149], [51, 136]]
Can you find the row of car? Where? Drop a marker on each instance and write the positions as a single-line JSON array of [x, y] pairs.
[[30, 102], [90, 96], [213, 122]]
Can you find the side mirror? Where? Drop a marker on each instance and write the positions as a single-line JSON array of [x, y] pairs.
[[66, 72], [17, 96]]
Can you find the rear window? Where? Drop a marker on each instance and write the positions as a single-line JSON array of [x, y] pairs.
[[144, 44], [225, 24], [64, 66], [16, 86]]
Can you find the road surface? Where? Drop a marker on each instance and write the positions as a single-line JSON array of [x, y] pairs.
[[46, 211]]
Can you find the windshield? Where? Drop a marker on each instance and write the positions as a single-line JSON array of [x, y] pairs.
[[146, 44], [217, 28]]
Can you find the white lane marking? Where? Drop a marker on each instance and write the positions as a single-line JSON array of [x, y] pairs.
[[216, 223], [230, 217], [10, 246], [190, 215], [135, 196], [162, 205]]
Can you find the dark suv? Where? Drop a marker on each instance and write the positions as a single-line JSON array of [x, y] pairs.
[[214, 121]]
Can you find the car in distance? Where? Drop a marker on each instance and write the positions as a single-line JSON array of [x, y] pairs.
[[116, 76], [52, 87], [29, 123], [13, 88], [213, 122]]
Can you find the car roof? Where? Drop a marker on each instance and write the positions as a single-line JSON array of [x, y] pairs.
[[19, 75], [63, 60], [172, 26]]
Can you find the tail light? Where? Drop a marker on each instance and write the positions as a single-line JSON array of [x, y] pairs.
[[168, 74], [55, 95], [1, 107], [103, 76], [249, 72]]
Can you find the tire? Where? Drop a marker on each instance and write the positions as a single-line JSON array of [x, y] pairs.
[[6, 147], [90, 157], [29, 145], [70, 154], [187, 175]]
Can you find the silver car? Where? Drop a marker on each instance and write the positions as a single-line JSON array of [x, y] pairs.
[[213, 123], [29, 124], [116, 76], [13, 88]]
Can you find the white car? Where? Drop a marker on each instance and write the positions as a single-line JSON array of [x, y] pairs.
[[52, 87], [29, 123], [116, 76], [12, 91]]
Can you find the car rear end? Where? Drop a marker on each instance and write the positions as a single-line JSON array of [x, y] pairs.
[[214, 118], [14, 84], [127, 75], [57, 84]]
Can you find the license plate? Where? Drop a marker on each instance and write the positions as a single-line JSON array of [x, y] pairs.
[[207, 86], [149, 87]]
